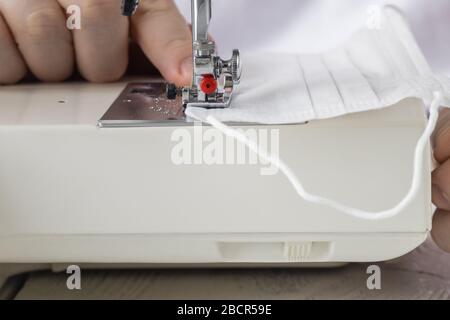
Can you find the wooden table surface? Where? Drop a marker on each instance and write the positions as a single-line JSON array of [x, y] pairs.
[[422, 274]]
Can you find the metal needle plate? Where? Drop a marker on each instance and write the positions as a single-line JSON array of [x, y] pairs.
[[142, 105]]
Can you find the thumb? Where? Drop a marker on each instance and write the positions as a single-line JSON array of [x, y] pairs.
[[164, 36]]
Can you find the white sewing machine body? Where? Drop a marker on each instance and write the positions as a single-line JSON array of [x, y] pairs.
[[71, 192]]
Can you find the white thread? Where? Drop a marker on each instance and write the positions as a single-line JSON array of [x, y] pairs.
[[361, 214]]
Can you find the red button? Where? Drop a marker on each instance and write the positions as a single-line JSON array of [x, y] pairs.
[[208, 84]]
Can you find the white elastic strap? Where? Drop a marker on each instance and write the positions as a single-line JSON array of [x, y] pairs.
[[419, 153]]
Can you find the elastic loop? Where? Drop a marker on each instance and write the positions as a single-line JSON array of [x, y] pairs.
[[414, 189]]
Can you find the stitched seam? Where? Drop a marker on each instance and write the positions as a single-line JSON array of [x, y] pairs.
[[299, 63], [330, 73], [369, 84]]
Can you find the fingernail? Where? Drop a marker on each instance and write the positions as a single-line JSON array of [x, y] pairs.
[[441, 197], [446, 197], [186, 68]]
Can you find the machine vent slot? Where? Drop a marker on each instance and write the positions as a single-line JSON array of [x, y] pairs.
[[276, 252]]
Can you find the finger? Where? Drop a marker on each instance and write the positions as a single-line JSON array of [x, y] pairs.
[[12, 66], [442, 137], [164, 36], [441, 186], [441, 230], [101, 45], [39, 28]]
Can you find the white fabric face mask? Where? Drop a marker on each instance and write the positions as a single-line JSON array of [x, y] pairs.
[[376, 69]]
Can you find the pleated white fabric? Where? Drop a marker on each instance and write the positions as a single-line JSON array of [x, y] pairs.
[[375, 69]]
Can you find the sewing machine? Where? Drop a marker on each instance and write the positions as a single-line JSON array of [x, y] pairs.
[[87, 175], [213, 78]]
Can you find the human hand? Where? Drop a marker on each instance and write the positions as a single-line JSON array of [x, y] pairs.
[[441, 183], [34, 38]]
